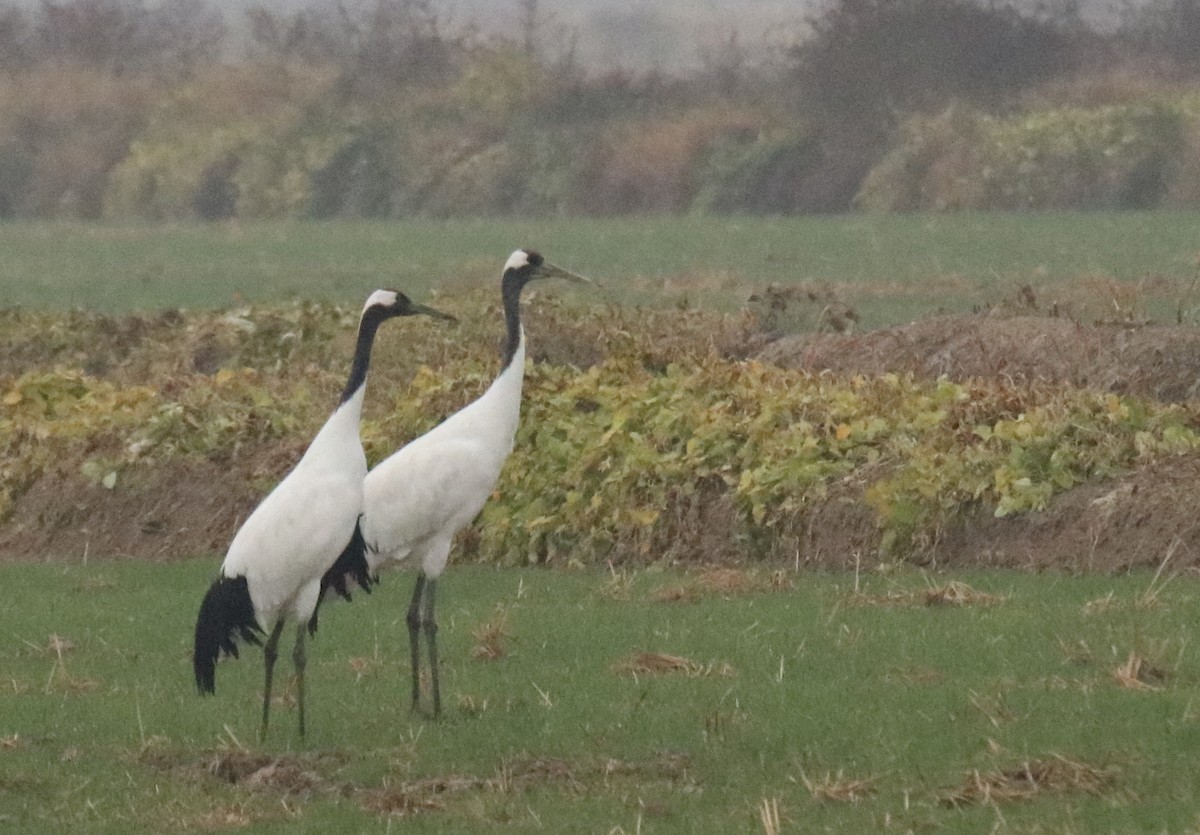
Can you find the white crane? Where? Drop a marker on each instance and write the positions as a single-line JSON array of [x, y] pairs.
[[273, 569], [416, 500]]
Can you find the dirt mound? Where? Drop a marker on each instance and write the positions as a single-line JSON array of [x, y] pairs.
[[1136, 520], [164, 513], [1155, 361], [187, 508]]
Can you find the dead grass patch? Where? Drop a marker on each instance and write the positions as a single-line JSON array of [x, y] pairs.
[[660, 663], [619, 584], [837, 788], [721, 582], [1139, 674], [430, 794], [1053, 775], [398, 803], [953, 593], [956, 593], [288, 774], [363, 667], [490, 637]]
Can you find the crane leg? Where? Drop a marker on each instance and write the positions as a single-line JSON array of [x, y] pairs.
[[270, 653], [429, 622], [414, 634], [300, 659]]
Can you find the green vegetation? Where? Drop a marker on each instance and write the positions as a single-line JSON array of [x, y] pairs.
[[647, 700], [613, 462], [669, 702], [1116, 157], [890, 268]]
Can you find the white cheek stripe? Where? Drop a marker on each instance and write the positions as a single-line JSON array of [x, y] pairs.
[[384, 298], [517, 260]]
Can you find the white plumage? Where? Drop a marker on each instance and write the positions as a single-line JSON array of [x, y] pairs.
[[297, 532], [419, 498], [272, 571], [416, 500]]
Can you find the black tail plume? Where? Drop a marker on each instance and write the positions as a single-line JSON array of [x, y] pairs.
[[226, 615], [351, 564]]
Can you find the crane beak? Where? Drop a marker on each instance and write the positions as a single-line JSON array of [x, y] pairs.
[[426, 310], [548, 270]]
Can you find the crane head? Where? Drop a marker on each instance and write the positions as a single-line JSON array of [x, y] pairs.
[[525, 265], [390, 303]]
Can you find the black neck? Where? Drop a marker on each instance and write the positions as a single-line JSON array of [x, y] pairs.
[[510, 292], [370, 323]]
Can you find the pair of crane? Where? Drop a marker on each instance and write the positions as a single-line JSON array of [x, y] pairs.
[[330, 521]]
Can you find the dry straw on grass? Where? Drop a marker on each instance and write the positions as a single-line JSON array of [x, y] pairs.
[[658, 663], [490, 637], [1054, 775], [287, 774], [768, 815], [837, 788], [519, 775], [953, 593], [619, 584], [1139, 674], [721, 582]]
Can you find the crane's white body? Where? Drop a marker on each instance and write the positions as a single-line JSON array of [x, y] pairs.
[[275, 566], [297, 532], [417, 499]]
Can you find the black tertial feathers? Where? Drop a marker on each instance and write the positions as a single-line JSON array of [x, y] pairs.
[[350, 564], [226, 615]]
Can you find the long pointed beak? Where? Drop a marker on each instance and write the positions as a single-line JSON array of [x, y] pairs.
[[426, 310], [548, 270]]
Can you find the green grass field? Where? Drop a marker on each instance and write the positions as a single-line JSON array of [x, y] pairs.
[[843, 705], [890, 267], [788, 702]]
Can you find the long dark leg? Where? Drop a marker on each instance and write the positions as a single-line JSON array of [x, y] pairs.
[[270, 653], [414, 632], [300, 659], [431, 628]]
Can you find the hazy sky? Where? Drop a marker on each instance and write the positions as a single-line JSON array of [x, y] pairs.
[[637, 34], [643, 34]]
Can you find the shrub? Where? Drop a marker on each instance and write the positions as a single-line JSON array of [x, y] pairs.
[[63, 129], [650, 165], [652, 448], [1068, 158], [758, 175]]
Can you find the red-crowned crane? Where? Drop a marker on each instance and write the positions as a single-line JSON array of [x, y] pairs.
[[272, 571], [416, 500]]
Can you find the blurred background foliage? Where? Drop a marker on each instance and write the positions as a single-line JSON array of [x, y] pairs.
[[132, 109]]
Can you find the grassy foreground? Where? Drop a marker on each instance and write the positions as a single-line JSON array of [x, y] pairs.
[[758, 703], [889, 267]]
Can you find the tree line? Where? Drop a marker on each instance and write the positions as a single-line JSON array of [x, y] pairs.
[[130, 109]]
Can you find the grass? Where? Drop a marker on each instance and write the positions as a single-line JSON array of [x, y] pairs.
[[890, 267], [785, 703]]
